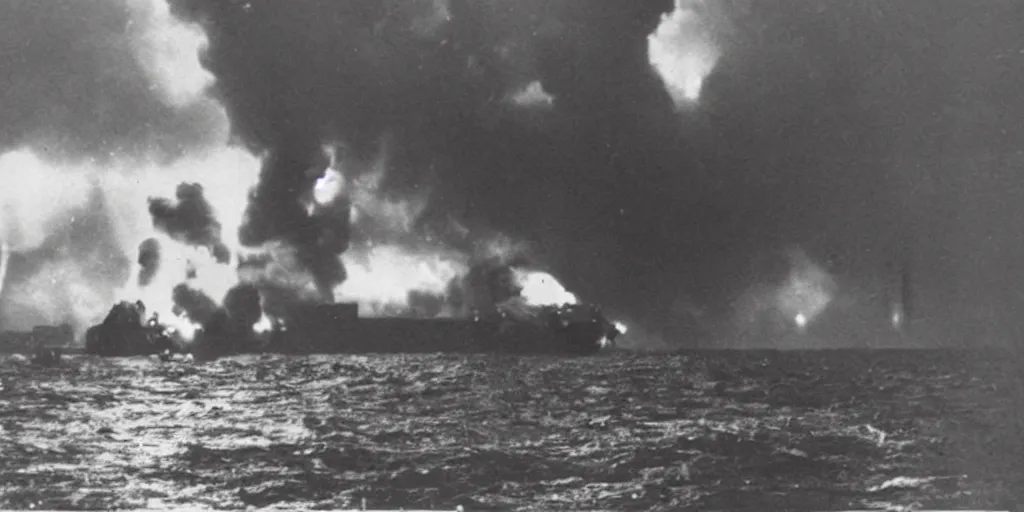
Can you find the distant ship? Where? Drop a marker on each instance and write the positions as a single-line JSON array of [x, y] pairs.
[[40, 336], [575, 330]]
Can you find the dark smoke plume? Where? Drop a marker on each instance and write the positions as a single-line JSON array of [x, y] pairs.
[[149, 260], [229, 329], [190, 219], [199, 307], [841, 127], [242, 305], [433, 76], [277, 212]]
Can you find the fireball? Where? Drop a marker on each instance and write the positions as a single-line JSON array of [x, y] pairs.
[[542, 289]]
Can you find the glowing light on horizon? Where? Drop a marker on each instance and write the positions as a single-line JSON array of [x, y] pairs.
[[807, 292]]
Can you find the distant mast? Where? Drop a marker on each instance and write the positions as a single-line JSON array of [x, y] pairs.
[[900, 302]]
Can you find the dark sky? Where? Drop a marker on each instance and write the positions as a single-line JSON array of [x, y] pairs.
[[863, 132]]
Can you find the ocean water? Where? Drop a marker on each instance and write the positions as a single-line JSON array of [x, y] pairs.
[[714, 430]]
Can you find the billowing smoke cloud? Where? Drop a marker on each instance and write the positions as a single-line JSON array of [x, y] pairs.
[[278, 212], [444, 83], [860, 131], [686, 46], [101, 79], [66, 276], [190, 220], [197, 305], [242, 305], [5, 258], [105, 105], [149, 260]]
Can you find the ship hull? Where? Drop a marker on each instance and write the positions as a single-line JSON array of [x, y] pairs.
[[337, 329], [383, 336]]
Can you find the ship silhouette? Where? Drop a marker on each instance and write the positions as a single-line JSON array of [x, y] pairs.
[[570, 329]]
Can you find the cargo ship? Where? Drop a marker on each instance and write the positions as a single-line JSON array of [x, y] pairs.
[[574, 330]]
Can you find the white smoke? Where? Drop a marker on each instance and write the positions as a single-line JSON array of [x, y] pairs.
[[5, 257], [684, 51], [138, 123], [167, 49], [770, 309], [808, 290]]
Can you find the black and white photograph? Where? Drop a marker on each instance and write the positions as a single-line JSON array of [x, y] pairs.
[[522, 255]]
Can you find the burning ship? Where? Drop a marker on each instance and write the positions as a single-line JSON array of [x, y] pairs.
[[275, 288], [570, 329], [509, 310]]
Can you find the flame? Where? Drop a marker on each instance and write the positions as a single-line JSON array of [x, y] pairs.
[[178, 261], [388, 261], [265, 325], [381, 278], [541, 289], [621, 327], [387, 266], [328, 187], [683, 51]]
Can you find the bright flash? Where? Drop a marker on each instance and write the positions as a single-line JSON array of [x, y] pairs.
[[328, 187], [801, 320], [265, 325], [621, 327], [184, 327]]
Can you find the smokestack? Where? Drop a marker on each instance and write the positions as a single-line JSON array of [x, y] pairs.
[[900, 297]]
